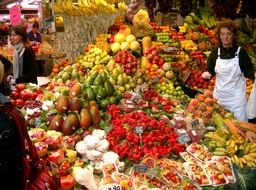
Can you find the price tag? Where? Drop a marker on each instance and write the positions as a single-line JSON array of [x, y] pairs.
[[156, 79], [152, 173], [139, 130], [140, 168], [184, 138], [112, 186], [195, 123]]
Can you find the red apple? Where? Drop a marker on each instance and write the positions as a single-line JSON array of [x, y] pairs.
[[20, 86], [56, 157], [15, 94]]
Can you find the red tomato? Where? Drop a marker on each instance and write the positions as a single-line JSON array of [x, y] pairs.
[[20, 86], [64, 168], [15, 94], [19, 103], [67, 182], [56, 157], [24, 94], [33, 95]]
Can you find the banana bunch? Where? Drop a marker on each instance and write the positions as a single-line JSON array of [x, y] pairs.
[[87, 7], [216, 141], [234, 144], [248, 157]]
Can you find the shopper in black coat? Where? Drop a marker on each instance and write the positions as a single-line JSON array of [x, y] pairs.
[[25, 69]]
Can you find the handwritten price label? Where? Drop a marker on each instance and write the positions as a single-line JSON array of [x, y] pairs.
[[140, 168], [139, 130], [110, 187]]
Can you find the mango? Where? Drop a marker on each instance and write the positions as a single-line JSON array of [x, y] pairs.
[[104, 103], [75, 90], [95, 115], [104, 76], [75, 104], [93, 103], [108, 87], [101, 92], [56, 122], [89, 80], [111, 65], [120, 80], [62, 104], [98, 81], [70, 124], [90, 93], [85, 118]]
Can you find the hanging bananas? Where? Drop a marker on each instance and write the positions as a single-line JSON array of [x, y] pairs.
[[87, 7]]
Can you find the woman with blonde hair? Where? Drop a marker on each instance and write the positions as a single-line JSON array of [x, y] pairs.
[[231, 64]]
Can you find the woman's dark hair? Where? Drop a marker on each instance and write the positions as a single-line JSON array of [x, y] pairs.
[[21, 31], [230, 25], [35, 25]]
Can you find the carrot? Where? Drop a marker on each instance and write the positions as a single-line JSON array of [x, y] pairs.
[[233, 129], [250, 136], [247, 126]]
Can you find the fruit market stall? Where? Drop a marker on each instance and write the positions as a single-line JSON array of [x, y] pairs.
[[132, 112]]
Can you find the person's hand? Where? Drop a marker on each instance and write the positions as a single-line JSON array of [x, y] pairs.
[[13, 81], [206, 75], [255, 75], [8, 78]]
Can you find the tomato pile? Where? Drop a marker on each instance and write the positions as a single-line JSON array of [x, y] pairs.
[[156, 137], [127, 61]]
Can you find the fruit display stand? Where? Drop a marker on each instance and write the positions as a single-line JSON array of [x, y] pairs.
[[116, 117]]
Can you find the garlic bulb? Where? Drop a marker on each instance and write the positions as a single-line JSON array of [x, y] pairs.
[[91, 141], [103, 145]]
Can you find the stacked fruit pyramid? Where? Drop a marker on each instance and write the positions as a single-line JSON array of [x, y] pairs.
[[119, 112]]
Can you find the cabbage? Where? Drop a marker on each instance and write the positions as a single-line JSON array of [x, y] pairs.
[[245, 180]]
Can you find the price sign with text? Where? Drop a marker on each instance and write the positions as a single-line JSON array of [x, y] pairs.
[[112, 186]]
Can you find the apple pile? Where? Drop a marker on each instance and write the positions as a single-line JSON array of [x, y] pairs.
[[20, 95], [155, 27], [163, 37], [168, 88], [127, 61], [195, 80], [200, 58], [203, 107], [177, 36], [153, 56]]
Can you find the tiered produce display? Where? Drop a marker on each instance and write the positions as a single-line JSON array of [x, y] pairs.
[[132, 112]]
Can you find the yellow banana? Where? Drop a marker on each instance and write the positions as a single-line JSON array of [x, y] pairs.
[[232, 143], [249, 164], [253, 145], [252, 154], [236, 159], [69, 5], [241, 147], [57, 6], [122, 6], [64, 5], [243, 160], [101, 3], [80, 3], [248, 158], [235, 147], [232, 159], [241, 165], [247, 148]]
